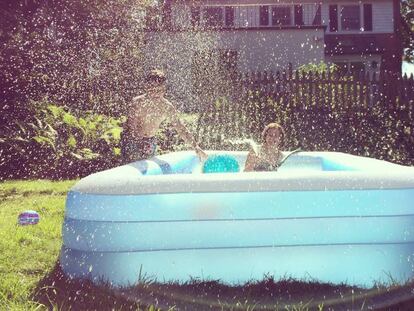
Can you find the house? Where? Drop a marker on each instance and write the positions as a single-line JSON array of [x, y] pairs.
[[266, 35]]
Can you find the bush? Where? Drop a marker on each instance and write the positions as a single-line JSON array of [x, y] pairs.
[[58, 143]]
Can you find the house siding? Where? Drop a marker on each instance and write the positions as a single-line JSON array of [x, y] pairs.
[[274, 46], [382, 17], [247, 13], [257, 50]]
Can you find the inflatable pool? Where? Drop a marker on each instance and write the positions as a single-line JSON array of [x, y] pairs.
[[325, 216]]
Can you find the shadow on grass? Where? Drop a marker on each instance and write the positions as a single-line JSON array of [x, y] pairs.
[[56, 291]]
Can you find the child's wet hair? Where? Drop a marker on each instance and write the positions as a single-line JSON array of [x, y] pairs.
[[274, 126], [155, 76]]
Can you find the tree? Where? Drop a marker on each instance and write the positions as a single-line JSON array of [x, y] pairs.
[[81, 54], [84, 54], [407, 29]]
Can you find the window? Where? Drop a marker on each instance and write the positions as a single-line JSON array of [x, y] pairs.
[[264, 15], [281, 16], [317, 20], [350, 17], [308, 14], [298, 15], [229, 13], [333, 18], [213, 16]]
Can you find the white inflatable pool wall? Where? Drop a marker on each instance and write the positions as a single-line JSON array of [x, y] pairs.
[[330, 216]]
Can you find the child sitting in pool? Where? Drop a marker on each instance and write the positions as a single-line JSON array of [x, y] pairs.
[[268, 156]]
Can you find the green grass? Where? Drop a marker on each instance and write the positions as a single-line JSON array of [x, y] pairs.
[[28, 253], [31, 279]]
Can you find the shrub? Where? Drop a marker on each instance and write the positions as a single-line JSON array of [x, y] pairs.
[[58, 143]]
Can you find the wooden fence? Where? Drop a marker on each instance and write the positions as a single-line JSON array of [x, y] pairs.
[[365, 115]]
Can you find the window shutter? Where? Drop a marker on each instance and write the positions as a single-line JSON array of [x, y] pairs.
[[298, 15], [264, 15], [367, 17], [333, 18], [318, 17], [229, 14]]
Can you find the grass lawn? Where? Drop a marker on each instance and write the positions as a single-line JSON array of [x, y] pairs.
[[30, 277], [28, 253]]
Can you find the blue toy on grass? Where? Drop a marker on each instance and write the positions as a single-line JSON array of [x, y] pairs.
[[221, 164], [28, 218]]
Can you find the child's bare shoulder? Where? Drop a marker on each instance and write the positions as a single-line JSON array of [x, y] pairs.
[[138, 99]]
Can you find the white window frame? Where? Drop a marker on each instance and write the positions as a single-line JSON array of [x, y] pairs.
[[361, 18], [249, 10], [315, 6], [361, 22], [291, 11], [269, 16], [255, 8]]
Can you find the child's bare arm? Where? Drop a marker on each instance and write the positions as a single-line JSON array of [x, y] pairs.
[[172, 114], [183, 130], [250, 161]]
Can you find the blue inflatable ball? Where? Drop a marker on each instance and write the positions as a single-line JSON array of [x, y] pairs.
[[28, 218], [221, 164]]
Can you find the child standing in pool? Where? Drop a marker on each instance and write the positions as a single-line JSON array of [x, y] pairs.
[[144, 117], [268, 156]]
